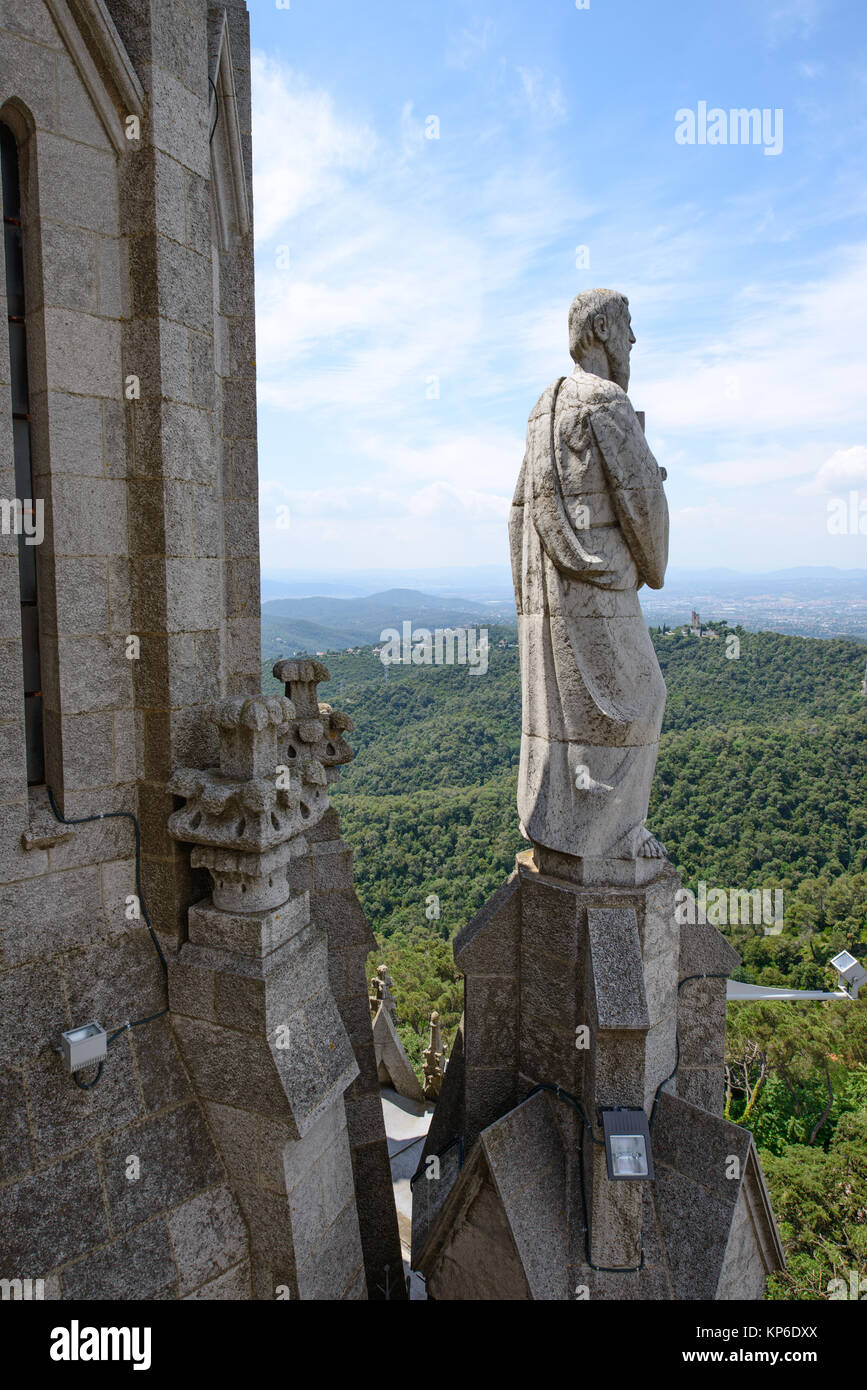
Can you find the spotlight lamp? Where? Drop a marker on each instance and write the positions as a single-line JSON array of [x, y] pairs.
[[82, 1047], [627, 1145], [851, 972]]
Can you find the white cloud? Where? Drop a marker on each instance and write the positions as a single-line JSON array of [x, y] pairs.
[[469, 477], [386, 287], [793, 356], [753, 468], [447, 503], [482, 460], [706, 514], [398, 275], [411, 131], [301, 148], [846, 468]]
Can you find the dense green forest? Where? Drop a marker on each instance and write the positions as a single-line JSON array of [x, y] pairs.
[[761, 782]]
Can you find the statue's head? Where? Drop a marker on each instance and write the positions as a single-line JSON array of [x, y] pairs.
[[600, 325]]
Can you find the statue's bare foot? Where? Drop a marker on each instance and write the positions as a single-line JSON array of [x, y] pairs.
[[649, 847]]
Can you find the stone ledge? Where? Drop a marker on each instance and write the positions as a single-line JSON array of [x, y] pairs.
[[44, 830]]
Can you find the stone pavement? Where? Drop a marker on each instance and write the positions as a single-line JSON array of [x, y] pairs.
[[406, 1126]]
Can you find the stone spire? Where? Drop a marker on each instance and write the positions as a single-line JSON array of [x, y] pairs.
[[433, 1060], [382, 993]]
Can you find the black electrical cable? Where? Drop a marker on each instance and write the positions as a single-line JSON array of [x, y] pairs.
[[135, 1023], [216, 112], [440, 1153], [568, 1099], [88, 1085], [118, 815], [419, 1139], [571, 1100], [686, 979]]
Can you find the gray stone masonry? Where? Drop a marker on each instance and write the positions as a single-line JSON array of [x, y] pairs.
[[253, 1010], [326, 874], [150, 496], [575, 986]]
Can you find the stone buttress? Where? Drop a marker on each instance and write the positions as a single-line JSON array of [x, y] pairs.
[[257, 1002]]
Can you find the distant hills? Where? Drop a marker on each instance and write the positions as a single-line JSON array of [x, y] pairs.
[[481, 582], [324, 623], [315, 612]]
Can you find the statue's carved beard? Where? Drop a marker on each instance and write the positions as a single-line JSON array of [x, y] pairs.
[[620, 375]]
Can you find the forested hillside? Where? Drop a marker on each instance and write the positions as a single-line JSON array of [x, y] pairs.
[[761, 779], [761, 782]]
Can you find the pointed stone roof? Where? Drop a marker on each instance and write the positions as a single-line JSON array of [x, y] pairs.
[[102, 62], [709, 1229]]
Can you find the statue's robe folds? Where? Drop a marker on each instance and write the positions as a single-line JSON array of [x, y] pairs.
[[593, 693]]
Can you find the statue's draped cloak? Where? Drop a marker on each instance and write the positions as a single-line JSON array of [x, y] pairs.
[[593, 693]]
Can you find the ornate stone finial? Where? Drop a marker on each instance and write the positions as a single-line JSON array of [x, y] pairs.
[[319, 729], [375, 996], [433, 1060], [249, 728], [243, 815]]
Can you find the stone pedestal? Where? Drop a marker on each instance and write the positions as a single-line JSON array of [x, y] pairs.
[[267, 1052], [253, 1011], [572, 1004]]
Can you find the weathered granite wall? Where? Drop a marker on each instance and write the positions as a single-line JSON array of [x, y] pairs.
[[150, 531]]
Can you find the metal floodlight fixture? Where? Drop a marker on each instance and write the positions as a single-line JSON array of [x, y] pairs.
[[81, 1047], [627, 1145], [851, 972]]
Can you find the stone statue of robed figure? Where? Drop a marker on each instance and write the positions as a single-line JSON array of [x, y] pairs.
[[589, 527]]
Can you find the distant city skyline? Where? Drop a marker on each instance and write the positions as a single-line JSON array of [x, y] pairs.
[[433, 185]]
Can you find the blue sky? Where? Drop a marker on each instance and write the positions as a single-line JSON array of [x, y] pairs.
[[413, 291]]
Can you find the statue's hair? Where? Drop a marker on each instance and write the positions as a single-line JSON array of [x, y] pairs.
[[582, 312]]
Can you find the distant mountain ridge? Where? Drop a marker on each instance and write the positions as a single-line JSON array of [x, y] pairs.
[[326, 623], [487, 582], [806, 601]]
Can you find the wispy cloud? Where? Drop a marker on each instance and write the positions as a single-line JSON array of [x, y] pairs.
[[412, 293], [388, 297], [793, 19], [542, 96], [301, 147], [792, 356], [469, 45], [846, 468]]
